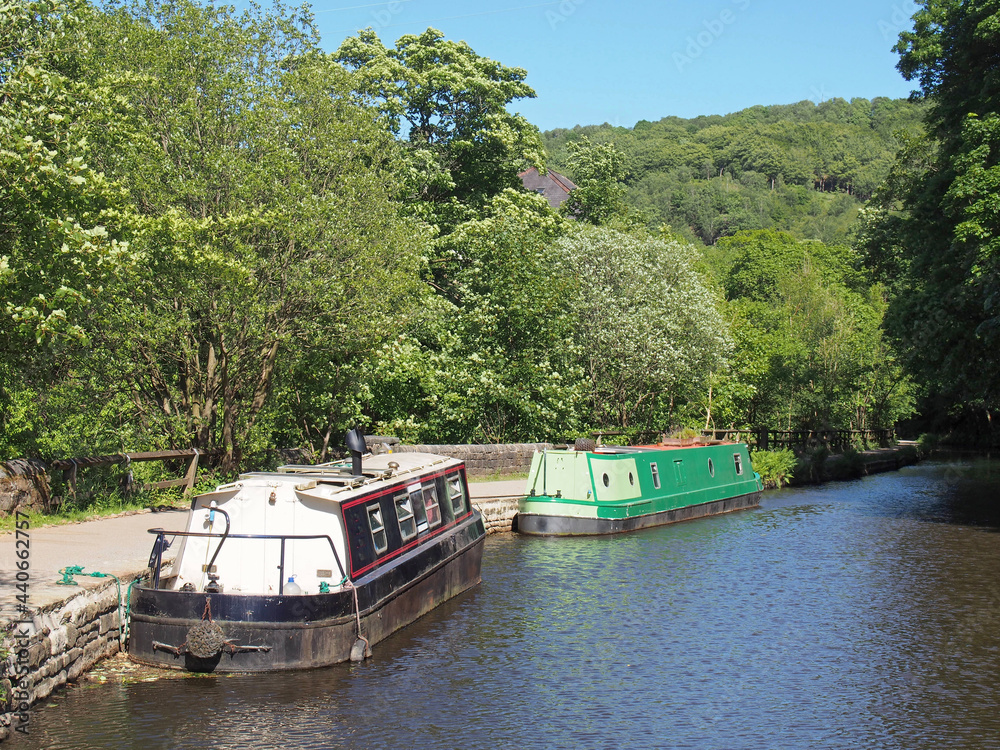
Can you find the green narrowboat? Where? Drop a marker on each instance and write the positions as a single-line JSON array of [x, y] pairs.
[[612, 489]]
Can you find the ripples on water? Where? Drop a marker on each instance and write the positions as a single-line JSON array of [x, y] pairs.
[[858, 615]]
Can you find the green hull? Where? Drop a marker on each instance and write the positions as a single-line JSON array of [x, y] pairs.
[[622, 489]]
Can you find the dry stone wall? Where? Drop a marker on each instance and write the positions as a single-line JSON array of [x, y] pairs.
[[24, 486], [60, 643], [480, 460], [498, 514]]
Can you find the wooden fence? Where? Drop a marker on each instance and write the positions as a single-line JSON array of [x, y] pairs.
[[762, 439], [70, 467]]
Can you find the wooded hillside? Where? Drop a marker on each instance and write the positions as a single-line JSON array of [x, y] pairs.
[[803, 168]]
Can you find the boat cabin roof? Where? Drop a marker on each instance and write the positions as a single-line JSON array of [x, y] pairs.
[[337, 477]]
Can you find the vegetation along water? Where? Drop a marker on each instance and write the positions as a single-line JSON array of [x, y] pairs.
[[217, 233]]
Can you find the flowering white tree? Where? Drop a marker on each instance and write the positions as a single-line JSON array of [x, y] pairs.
[[648, 327]]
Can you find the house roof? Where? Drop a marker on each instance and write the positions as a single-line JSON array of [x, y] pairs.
[[553, 186]]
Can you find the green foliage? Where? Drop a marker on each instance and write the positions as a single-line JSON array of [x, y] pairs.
[[776, 468], [932, 230], [491, 357], [811, 350], [261, 191], [801, 168], [646, 326], [598, 171], [54, 252], [928, 442], [212, 233], [463, 146]]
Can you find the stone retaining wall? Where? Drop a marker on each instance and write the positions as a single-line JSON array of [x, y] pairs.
[[480, 460], [498, 515], [62, 642]]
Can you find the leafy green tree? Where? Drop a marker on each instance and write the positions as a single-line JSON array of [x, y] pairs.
[[491, 358], [261, 192], [802, 168], [598, 169], [56, 255], [646, 325], [810, 346], [54, 250], [933, 228], [450, 105]]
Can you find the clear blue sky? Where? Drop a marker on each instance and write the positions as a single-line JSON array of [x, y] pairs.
[[596, 61]]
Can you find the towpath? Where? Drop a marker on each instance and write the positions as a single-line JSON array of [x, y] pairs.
[[119, 546]]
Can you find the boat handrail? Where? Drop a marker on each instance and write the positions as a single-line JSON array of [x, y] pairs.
[[156, 556]]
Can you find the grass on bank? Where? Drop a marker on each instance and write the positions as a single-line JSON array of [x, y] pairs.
[[99, 494], [101, 508]]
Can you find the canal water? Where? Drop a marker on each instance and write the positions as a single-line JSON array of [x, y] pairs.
[[859, 614]]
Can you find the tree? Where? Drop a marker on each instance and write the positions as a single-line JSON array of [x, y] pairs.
[[809, 335], [57, 255], [647, 327], [491, 358], [262, 194], [598, 170], [54, 250], [450, 105], [934, 223]]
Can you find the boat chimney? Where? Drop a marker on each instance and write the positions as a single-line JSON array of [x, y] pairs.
[[357, 446]]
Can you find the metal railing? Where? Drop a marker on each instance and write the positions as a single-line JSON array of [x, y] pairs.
[[161, 544]]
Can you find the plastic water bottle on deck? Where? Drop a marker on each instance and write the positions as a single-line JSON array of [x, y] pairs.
[[292, 588]]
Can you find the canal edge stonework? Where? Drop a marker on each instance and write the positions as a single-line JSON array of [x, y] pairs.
[[67, 638]]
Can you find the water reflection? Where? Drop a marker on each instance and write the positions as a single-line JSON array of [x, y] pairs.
[[860, 614]]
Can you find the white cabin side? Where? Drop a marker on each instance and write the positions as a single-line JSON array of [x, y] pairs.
[[267, 504], [296, 501]]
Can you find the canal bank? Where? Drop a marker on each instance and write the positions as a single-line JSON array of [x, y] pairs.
[[822, 466]]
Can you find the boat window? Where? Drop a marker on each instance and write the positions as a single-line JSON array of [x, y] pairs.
[[631, 479], [656, 475], [378, 528], [431, 507], [738, 464], [711, 468], [456, 495], [404, 514], [607, 481], [417, 503]]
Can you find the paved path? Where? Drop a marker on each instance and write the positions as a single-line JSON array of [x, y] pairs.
[[110, 545], [119, 546]]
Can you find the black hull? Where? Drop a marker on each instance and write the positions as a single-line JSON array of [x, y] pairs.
[[307, 631], [546, 525]]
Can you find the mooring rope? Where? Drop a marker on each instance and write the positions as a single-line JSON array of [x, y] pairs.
[[357, 615]]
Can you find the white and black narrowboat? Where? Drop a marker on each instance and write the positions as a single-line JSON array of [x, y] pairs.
[[309, 565]]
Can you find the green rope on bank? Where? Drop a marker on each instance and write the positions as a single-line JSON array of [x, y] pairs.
[[123, 616], [118, 585]]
